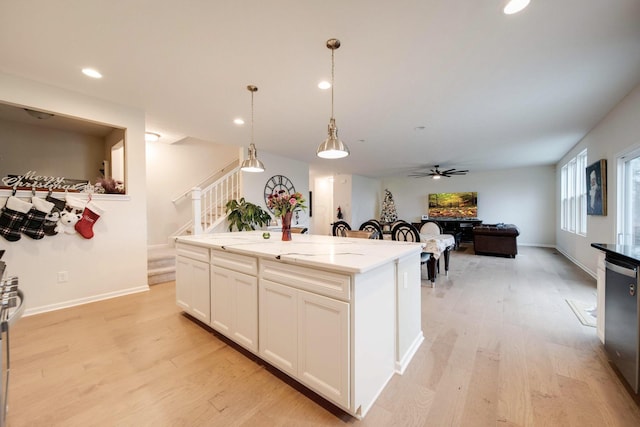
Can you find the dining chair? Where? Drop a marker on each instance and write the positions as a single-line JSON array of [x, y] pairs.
[[430, 227], [339, 228], [403, 231], [374, 227], [433, 228]]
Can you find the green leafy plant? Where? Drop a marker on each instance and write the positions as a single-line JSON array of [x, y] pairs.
[[245, 215]]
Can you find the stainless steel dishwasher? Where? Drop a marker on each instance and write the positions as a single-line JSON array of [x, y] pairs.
[[621, 324]]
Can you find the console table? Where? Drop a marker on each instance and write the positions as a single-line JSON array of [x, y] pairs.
[[462, 228]]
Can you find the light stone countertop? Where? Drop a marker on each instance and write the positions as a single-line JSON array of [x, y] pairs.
[[350, 255]]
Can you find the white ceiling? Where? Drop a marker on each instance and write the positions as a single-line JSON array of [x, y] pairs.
[[492, 91]]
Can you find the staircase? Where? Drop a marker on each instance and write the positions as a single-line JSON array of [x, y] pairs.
[[208, 213], [161, 264]]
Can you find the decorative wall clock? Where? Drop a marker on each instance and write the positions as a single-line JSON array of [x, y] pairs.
[[277, 183]]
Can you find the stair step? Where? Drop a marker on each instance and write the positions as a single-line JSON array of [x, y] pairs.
[[161, 278], [161, 265]]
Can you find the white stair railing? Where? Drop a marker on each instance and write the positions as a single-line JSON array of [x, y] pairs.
[[208, 204], [214, 198]]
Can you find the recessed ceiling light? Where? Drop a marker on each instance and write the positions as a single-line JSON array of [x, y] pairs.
[[151, 137], [92, 73], [238, 121], [419, 128], [324, 85], [515, 6]]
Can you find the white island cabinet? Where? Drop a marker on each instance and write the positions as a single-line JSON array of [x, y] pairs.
[[192, 281], [339, 315]]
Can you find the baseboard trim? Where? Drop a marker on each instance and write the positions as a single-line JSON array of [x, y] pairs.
[[578, 263], [81, 301]]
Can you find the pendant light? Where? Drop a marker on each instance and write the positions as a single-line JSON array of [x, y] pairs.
[[332, 147], [252, 164]]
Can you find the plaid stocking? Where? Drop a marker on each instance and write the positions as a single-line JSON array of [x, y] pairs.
[[11, 218], [33, 224]]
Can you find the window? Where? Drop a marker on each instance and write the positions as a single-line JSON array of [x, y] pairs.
[[573, 195], [629, 198]]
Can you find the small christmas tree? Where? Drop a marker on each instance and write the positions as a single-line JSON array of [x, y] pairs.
[[389, 213]]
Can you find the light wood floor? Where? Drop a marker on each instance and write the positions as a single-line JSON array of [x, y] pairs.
[[502, 348]]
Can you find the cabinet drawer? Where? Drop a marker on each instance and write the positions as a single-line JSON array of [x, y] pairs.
[[317, 281], [241, 263], [193, 252]]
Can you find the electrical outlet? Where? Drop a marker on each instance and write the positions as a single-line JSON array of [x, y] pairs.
[[63, 276]]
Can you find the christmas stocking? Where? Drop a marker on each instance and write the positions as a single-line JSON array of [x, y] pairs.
[[51, 220], [90, 215], [33, 223], [11, 218]]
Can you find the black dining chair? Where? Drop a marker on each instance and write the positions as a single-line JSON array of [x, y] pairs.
[[339, 228], [373, 227], [406, 232]]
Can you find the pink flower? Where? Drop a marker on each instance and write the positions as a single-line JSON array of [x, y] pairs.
[[293, 201]]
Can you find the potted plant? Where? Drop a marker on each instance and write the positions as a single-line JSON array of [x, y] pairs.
[[245, 215]]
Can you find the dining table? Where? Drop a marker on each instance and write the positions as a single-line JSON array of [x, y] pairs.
[[437, 245]]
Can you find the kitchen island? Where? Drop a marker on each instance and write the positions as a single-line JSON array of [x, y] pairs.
[[339, 315]]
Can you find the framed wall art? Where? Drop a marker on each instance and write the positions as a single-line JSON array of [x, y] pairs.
[[596, 175]]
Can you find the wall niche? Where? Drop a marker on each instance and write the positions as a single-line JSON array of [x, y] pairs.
[[48, 150]]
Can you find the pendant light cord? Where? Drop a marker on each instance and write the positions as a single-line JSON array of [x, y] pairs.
[[252, 117], [333, 51]]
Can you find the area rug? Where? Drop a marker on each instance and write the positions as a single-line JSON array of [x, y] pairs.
[[585, 312]]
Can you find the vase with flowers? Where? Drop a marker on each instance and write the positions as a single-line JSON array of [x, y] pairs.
[[283, 205]]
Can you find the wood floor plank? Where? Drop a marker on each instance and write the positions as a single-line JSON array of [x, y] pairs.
[[502, 348]]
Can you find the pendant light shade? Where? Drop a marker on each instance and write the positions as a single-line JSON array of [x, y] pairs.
[[252, 164], [332, 147]]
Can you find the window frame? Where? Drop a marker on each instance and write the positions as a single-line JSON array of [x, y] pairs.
[[573, 195]]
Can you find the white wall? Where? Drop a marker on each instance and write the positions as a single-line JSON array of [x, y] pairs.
[[366, 200], [173, 169], [297, 171], [524, 197], [50, 152], [619, 131], [114, 262]]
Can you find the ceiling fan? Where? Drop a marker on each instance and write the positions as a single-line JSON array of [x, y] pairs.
[[437, 173]]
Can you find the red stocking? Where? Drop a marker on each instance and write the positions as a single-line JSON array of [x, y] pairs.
[[90, 215]]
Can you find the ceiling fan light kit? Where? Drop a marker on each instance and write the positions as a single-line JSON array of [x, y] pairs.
[[515, 6], [332, 147], [436, 173], [252, 164]]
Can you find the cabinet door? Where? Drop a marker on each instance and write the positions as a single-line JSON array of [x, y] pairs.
[[192, 287], [245, 330], [323, 346], [221, 300], [278, 326], [183, 283], [234, 306]]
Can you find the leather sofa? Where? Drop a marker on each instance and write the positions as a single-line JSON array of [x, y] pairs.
[[496, 239]]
